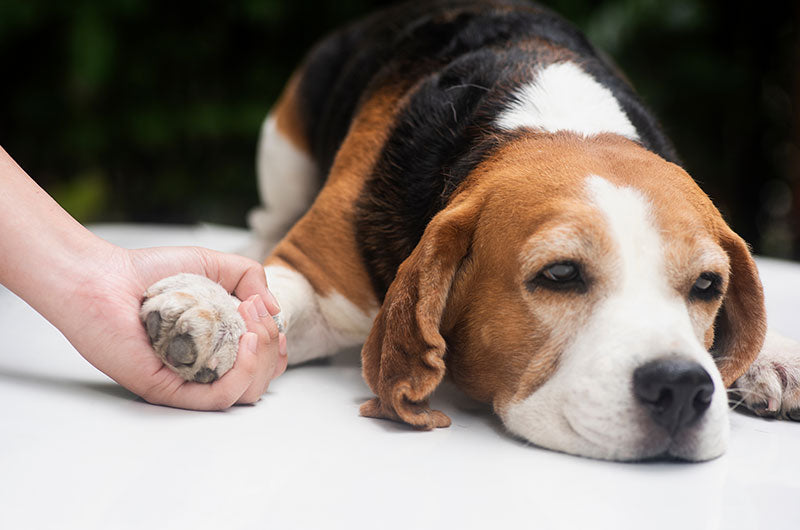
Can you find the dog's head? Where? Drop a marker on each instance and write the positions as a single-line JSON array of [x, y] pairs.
[[586, 288]]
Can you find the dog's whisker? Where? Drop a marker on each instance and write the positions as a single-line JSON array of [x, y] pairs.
[[745, 391], [739, 396], [735, 403]]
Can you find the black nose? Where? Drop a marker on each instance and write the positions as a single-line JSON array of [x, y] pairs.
[[675, 392]]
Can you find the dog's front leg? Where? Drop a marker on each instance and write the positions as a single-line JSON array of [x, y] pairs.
[[317, 275], [771, 386], [194, 325], [317, 322]]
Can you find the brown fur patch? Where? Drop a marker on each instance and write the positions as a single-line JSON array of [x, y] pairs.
[[185, 296], [321, 246], [206, 315]]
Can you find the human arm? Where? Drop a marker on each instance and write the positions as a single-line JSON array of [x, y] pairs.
[[91, 291]]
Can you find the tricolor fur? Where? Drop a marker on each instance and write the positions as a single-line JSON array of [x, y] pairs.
[[436, 162]]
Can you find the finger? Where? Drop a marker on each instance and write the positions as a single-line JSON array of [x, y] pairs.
[[283, 358], [254, 311], [260, 322], [241, 276]]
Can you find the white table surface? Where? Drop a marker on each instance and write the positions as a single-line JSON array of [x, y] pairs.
[[78, 451]]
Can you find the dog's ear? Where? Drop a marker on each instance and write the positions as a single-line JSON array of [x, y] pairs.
[[741, 323], [403, 356]]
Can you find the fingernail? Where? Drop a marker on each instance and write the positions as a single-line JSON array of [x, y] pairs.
[[282, 345], [260, 307], [251, 341], [272, 303], [251, 310]]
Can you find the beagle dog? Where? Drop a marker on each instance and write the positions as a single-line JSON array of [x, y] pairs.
[[468, 188]]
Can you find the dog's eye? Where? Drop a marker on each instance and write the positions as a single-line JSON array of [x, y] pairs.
[[561, 272], [706, 287], [561, 276]]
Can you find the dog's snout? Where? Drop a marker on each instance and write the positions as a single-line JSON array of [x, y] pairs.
[[674, 391]]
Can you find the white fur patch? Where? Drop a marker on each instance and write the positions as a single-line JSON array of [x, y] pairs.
[[588, 406], [316, 326], [287, 184], [562, 97]]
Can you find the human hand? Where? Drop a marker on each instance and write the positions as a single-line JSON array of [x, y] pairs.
[[91, 291], [104, 326]]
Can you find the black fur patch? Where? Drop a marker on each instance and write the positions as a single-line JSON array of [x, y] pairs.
[[464, 59]]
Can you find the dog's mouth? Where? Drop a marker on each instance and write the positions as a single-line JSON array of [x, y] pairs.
[[642, 442], [647, 445]]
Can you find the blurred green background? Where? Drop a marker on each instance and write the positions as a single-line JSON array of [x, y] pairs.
[[145, 111]]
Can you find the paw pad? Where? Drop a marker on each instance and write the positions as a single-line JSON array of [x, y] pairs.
[[193, 325], [181, 350]]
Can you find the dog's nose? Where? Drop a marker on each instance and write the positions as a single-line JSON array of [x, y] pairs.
[[675, 391]]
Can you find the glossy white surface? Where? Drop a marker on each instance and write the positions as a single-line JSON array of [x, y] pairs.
[[78, 451]]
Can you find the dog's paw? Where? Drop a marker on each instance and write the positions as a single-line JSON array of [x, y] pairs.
[[771, 386], [193, 325]]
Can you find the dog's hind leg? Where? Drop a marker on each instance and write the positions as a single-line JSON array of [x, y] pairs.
[[288, 178]]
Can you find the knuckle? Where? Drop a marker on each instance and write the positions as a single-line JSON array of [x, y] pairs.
[[272, 330], [255, 268]]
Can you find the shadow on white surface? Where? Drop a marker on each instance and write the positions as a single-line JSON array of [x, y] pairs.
[[56, 383]]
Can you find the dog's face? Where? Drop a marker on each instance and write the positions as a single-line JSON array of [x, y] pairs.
[[579, 285]]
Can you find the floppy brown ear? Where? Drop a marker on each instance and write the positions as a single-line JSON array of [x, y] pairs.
[[741, 323], [403, 356]]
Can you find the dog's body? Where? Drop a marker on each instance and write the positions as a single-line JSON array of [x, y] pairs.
[[467, 187]]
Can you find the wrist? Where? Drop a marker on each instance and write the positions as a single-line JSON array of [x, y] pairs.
[[44, 252], [49, 269], [61, 289]]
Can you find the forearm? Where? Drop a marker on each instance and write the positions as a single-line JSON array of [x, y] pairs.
[[45, 254]]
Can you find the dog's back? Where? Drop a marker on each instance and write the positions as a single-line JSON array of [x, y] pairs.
[[459, 63]]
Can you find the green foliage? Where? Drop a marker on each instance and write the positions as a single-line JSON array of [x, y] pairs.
[[138, 110], [84, 196]]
